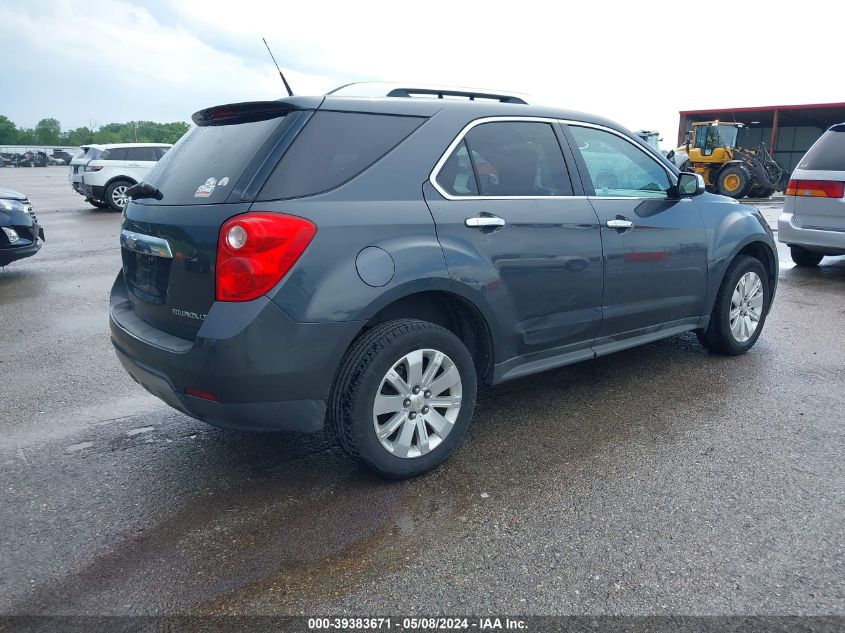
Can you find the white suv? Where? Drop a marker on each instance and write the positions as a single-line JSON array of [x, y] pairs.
[[105, 172]]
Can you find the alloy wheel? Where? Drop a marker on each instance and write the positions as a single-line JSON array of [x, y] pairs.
[[119, 197], [417, 403], [746, 306]]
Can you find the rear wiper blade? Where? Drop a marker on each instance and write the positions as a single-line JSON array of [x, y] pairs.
[[144, 190]]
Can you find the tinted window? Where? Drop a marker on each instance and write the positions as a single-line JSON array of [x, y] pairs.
[[828, 153], [333, 148], [456, 176], [115, 153], [513, 158], [141, 153], [160, 151], [617, 167], [206, 153]]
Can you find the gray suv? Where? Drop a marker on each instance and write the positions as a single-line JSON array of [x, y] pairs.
[[362, 263]]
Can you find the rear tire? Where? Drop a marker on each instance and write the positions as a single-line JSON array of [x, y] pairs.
[[740, 311], [97, 203], [733, 181], [408, 437], [116, 194], [804, 258]]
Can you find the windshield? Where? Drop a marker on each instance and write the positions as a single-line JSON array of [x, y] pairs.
[[708, 137]]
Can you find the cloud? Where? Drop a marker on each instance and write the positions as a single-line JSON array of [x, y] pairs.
[[635, 63], [115, 61]]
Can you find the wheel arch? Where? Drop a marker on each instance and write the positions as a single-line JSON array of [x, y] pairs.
[[120, 178], [753, 246], [445, 305]]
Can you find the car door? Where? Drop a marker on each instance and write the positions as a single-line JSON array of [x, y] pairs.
[[511, 229], [655, 255], [139, 160]]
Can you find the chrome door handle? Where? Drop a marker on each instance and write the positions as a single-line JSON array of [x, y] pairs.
[[484, 221], [619, 223]]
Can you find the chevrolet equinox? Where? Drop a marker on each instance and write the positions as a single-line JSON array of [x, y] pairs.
[[362, 263]]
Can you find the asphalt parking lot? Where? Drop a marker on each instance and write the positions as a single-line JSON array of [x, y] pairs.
[[658, 480]]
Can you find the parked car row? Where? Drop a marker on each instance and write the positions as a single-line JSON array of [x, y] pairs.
[[29, 158], [103, 173]]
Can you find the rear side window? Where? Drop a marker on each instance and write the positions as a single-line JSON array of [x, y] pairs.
[[142, 153], [510, 158], [333, 148], [206, 163], [115, 153], [828, 153]]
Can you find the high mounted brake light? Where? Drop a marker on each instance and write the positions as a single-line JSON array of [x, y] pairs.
[[255, 250]]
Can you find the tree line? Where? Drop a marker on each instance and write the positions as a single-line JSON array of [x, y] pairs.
[[49, 132]]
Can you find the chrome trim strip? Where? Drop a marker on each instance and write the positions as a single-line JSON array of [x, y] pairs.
[[145, 244], [432, 178]]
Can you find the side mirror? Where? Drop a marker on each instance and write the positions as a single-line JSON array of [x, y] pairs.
[[690, 184]]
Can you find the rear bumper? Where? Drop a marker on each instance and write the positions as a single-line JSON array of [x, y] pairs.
[[95, 191], [790, 232], [264, 370]]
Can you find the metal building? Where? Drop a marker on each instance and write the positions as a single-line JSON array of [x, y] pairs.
[[789, 129]]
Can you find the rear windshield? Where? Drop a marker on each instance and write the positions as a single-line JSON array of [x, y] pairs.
[[92, 154], [828, 153], [334, 148], [206, 163]]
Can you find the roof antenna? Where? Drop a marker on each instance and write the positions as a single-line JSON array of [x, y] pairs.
[[284, 81]]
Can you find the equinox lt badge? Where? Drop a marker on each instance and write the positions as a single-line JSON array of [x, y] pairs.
[[188, 315]]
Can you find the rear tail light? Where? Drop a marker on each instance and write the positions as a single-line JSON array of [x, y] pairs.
[[255, 250], [816, 188]]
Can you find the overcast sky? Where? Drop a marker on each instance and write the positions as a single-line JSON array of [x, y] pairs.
[[98, 61]]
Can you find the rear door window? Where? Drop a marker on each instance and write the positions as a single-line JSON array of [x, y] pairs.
[[456, 177], [828, 153], [516, 158], [333, 148]]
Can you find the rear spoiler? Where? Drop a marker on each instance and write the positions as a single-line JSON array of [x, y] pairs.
[[250, 111]]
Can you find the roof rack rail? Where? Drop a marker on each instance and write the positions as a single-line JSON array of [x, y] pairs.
[[457, 92], [382, 89]]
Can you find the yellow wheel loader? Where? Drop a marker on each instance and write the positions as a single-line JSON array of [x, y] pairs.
[[733, 171]]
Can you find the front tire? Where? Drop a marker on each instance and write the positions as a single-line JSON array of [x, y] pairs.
[[733, 181], [403, 397], [740, 311], [804, 258], [116, 194]]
